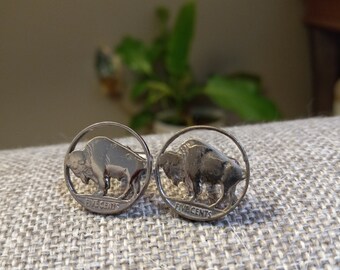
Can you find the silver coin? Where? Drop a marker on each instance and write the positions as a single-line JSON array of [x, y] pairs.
[[199, 180], [105, 176]]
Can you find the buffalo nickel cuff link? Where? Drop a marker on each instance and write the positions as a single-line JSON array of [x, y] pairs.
[[119, 175], [202, 181], [198, 180]]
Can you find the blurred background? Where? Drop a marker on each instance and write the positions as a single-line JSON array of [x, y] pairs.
[[67, 64]]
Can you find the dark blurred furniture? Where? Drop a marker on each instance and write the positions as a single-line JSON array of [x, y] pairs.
[[323, 20]]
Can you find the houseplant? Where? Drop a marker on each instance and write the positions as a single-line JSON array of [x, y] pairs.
[[164, 81]]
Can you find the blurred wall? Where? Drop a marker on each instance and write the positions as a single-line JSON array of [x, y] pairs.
[[48, 87]]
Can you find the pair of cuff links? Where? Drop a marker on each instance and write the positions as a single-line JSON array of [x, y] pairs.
[[198, 180]]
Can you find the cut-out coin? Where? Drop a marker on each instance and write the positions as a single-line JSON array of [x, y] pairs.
[[202, 180], [104, 175]]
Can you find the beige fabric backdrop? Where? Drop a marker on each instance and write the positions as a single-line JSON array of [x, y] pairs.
[[289, 218]]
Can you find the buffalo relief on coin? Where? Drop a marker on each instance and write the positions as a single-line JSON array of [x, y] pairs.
[[200, 181], [104, 161]]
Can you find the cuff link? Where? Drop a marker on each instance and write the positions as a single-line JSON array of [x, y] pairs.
[[118, 174], [202, 181]]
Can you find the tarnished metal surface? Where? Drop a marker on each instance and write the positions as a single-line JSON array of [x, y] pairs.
[[102, 161], [210, 177]]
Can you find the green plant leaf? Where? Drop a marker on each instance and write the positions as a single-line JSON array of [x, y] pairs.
[[159, 44], [157, 49], [154, 97], [180, 40], [135, 55], [141, 120], [250, 83], [159, 89], [138, 89], [235, 95]]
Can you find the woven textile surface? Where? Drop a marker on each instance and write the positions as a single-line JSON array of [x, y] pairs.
[[289, 218]]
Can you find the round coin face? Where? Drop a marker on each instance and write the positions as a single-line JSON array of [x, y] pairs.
[[102, 174], [202, 173]]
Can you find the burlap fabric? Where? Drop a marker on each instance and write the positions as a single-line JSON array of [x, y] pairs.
[[289, 218]]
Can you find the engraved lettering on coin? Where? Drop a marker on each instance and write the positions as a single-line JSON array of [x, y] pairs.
[[198, 211], [98, 204]]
